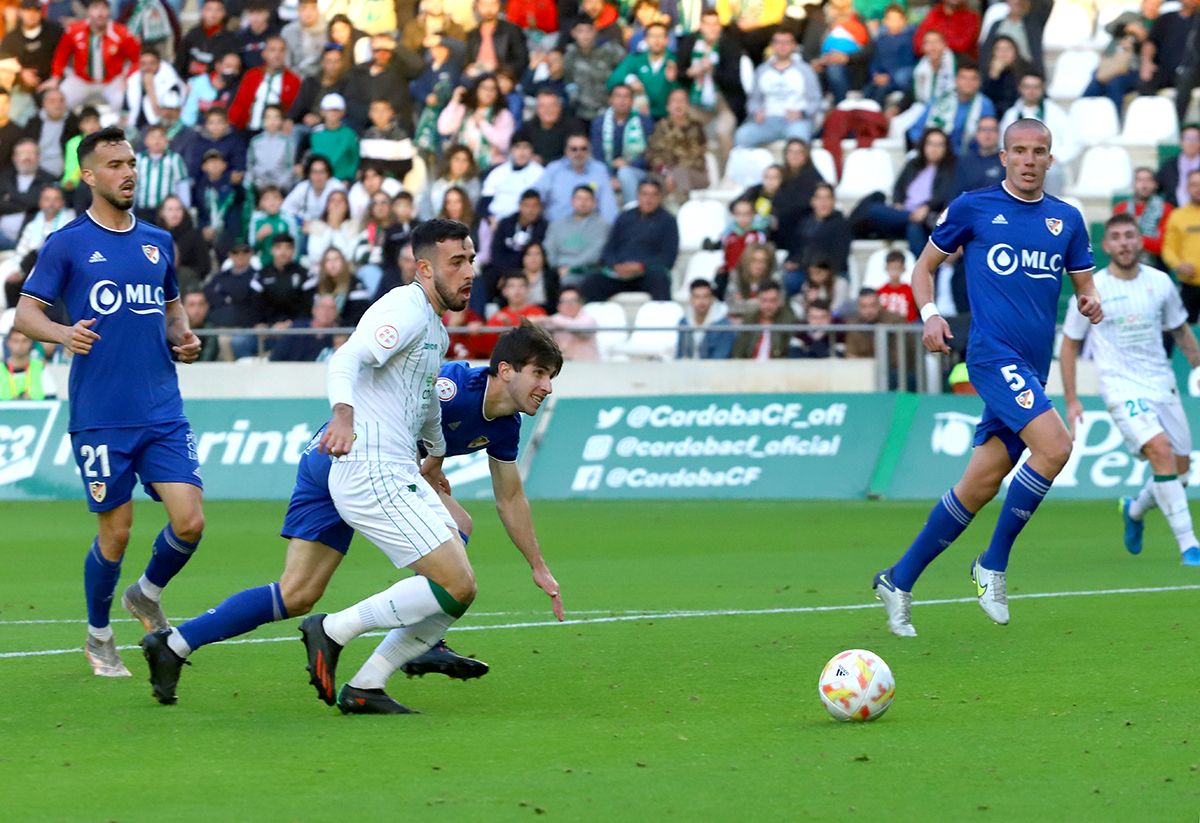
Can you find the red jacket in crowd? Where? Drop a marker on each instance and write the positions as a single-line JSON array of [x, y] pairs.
[[243, 103], [121, 52], [543, 12], [959, 26]]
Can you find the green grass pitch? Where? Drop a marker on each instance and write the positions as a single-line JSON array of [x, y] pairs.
[[1084, 706]]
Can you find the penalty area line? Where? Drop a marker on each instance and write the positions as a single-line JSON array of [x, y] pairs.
[[683, 614]]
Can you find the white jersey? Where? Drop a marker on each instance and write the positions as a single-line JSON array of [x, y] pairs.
[[1127, 344], [386, 371]]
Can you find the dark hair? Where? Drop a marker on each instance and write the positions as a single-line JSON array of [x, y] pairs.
[[1034, 73], [270, 106], [583, 187], [530, 194], [823, 185], [88, 144], [280, 239], [517, 274], [526, 345], [653, 182], [151, 50], [739, 201], [574, 289], [155, 127], [625, 86], [270, 188], [219, 110], [1146, 169], [820, 304], [659, 25], [895, 7], [426, 235], [450, 151], [403, 194], [823, 263], [920, 160], [1123, 218], [468, 215], [770, 285], [86, 111], [967, 65], [700, 283], [312, 161], [471, 98], [894, 257], [867, 291]]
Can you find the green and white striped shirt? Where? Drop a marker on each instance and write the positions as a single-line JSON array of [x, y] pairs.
[[159, 178]]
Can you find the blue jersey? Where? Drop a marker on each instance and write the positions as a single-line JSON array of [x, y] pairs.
[[461, 390], [124, 280], [1015, 253]]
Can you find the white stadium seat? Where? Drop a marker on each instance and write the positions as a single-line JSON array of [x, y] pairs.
[[1078, 204], [655, 345], [994, 14], [1072, 73], [876, 271], [608, 315], [1103, 171], [745, 167], [1070, 24], [1095, 120], [864, 172], [700, 220], [822, 160], [703, 265], [1150, 121]]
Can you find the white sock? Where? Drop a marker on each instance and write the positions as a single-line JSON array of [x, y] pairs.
[[399, 647], [149, 589], [103, 634], [1172, 499], [1144, 501], [178, 644], [406, 603]]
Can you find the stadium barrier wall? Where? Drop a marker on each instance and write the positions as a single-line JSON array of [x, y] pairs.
[[751, 446]]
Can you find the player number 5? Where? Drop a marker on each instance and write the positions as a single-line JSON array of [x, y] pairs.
[[90, 455], [1015, 381]]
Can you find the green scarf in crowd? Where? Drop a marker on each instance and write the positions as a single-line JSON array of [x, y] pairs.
[[634, 144]]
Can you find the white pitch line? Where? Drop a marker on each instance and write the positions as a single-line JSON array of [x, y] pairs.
[[177, 620], [676, 615]]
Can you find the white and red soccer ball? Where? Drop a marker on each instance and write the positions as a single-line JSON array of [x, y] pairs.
[[857, 685]]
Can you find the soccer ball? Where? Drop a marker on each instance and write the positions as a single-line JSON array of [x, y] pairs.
[[856, 685]]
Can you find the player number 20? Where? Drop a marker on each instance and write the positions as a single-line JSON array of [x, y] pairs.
[[1015, 381], [1133, 407], [90, 455]]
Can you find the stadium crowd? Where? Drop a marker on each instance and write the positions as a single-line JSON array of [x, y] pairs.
[[291, 147]]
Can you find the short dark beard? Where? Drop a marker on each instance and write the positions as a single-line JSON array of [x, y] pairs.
[[450, 300], [116, 201]]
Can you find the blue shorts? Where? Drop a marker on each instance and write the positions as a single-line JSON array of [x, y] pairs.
[[1013, 395], [108, 459], [311, 514]]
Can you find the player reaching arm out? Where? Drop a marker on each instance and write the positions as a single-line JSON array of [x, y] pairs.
[[183, 341]]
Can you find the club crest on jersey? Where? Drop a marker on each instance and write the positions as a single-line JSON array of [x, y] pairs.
[[387, 336], [478, 442], [98, 489], [1025, 399], [1054, 225], [446, 389], [151, 253]]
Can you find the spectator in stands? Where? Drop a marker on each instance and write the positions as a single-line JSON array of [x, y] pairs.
[[10, 132], [575, 243], [1034, 104], [1003, 72], [739, 234], [709, 66], [925, 187], [1152, 212], [269, 221], [216, 88], [896, 295], [869, 312], [32, 43], [844, 48], [677, 147], [23, 376], [331, 79], [283, 288], [980, 165], [306, 201], [51, 216], [118, 52], [253, 37], [1119, 69], [386, 77], [195, 304], [549, 128], [507, 182], [565, 175], [374, 16], [645, 14], [305, 39], [336, 277], [743, 283], [336, 229], [154, 23], [755, 23], [495, 42], [456, 205], [619, 138], [546, 71], [769, 308], [958, 25], [431, 27], [712, 341], [515, 290], [371, 186], [354, 43], [822, 284], [606, 20], [574, 330], [369, 250], [467, 344], [143, 90], [51, 127], [793, 202], [233, 304], [182, 138], [936, 71], [161, 173], [651, 74], [478, 119], [542, 279], [512, 237], [310, 348], [219, 203], [333, 140], [763, 194], [400, 273], [204, 43], [1165, 50], [458, 170], [215, 136], [640, 251], [21, 186], [399, 230], [1187, 76], [785, 97], [193, 261], [893, 59], [823, 234], [270, 154], [958, 114], [270, 83], [89, 122], [386, 145], [1173, 173], [1024, 24], [589, 65], [817, 343], [1181, 247]]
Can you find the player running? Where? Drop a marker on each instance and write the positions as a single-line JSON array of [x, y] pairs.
[[480, 410], [117, 279], [1136, 379], [1017, 242]]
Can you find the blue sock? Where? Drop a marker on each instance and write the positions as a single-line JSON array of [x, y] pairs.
[[170, 554], [100, 578], [1025, 494], [466, 537], [241, 613], [946, 522]]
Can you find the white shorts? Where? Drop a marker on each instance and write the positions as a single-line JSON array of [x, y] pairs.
[[1139, 420], [391, 505]]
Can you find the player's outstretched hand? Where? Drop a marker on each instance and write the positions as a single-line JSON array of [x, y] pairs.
[[339, 434], [1089, 307], [82, 337], [937, 332], [1074, 415], [189, 350], [546, 582], [431, 470]]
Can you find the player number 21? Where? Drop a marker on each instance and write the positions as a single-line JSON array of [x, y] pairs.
[[90, 455], [1015, 381]]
